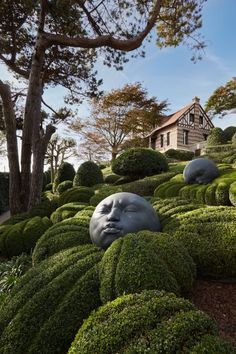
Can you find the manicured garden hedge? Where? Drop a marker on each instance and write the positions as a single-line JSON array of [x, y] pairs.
[[50, 302], [65, 234], [209, 235], [140, 162], [151, 322], [143, 261], [177, 154], [66, 172], [76, 194], [22, 237], [66, 211], [88, 174], [63, 186]]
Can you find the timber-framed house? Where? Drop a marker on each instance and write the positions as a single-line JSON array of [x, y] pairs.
[[186, 129]]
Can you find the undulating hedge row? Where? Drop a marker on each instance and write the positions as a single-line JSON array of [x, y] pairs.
[[76, 194], [65, 234], [67, 211], [143, 261], [151, 322], [209, 235], [50, 302], [22, 237]]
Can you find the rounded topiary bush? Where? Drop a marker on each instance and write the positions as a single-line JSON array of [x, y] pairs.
[[48, 305], [140, 162], [234, 139], [216, 137], [76, 194], [22, 237], [88, 175], [110, 179], [63, 186], [229, 132], [103, 193], [66, 211], [66, 172], [151, 322], [209, 235], [177, 154], [68, 233], [144, 261]]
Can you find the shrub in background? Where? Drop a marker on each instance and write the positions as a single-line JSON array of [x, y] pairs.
[[149, 322], [229, 132], [63, 186], [76, 194], [88, 174], [110, 179], [181, 155], [66, 211], [234, 139], [48, 305], [65, 172], [140, 162], [216, 137]]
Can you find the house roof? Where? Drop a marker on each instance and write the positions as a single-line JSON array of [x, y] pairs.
[[171, 119]]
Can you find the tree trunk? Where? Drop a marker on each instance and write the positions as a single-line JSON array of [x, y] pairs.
[[13, 159]]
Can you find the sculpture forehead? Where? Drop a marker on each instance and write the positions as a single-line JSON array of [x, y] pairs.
[[124, 198]]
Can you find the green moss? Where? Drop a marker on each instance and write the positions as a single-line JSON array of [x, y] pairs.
[[222, 193], [76, 194], [210, 194]]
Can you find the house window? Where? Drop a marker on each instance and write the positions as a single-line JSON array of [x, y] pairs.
[[168, 138], [153, 142], [185, 137], [162, 140], [191, 117], [205, 136], [200, 120]]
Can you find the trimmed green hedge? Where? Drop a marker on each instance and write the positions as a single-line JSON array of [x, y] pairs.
[[49, 304], [88, 175], [102, 193], [66, 172], [178, 154], [22, 237], [110, 179], [76, 194], [151, 322], [63, 186], [140, 162], [144, 261], [209, 235], [68, 233], [66, 211]]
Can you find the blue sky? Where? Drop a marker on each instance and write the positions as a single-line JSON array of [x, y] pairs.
[[170, 74]]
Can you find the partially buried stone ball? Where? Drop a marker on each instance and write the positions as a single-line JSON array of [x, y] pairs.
[[120, 214], [200, 171]]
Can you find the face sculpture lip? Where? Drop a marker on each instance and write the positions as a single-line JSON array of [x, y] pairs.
[[112, 228]]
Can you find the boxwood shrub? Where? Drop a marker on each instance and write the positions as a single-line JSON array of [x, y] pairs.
[[49, 304], [88, 175], [68, 233], [22, 237], [66, 211], [140, 162], [76, 194], [178, 154], [63, 186], [110, 179], [150, 322], [209, 235], [144, 261], [66, 172]]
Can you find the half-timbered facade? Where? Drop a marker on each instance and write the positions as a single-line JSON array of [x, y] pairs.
[[185, 129]]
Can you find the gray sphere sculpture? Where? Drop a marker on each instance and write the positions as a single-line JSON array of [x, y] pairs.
[[120, 214], [201, 171]]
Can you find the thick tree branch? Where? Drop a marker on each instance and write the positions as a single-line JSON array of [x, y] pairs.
[[106, 40]]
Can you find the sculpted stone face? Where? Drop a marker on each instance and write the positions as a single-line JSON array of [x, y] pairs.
[[120, 214], [200, 171]]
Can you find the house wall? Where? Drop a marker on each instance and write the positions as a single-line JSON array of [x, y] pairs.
[[173, 139], [196, 132]]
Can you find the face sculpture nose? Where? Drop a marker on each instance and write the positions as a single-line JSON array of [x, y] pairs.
[[114, 215]]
